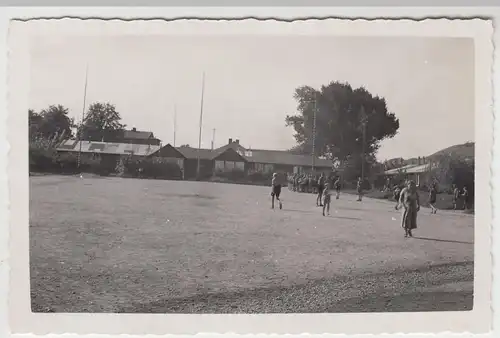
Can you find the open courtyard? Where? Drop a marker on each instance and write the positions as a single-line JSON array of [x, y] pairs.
[[152, 246]]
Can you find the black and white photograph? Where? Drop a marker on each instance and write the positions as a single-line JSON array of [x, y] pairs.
[[253, 173]]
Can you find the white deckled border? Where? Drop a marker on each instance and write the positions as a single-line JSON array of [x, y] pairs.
[[23, 321]]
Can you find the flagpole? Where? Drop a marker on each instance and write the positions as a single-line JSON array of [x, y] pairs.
[[175, 122], [83, 114], [201, 123]]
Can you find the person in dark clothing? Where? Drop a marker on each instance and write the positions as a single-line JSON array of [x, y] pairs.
[[359, 188], [321, 187], [276, 190]]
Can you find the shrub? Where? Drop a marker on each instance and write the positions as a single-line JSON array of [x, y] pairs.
[[154, 167], [232, 175], [259, 177], [42, 160]]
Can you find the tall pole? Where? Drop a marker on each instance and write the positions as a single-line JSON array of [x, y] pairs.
[[175, 123], [363, 125], [201, 122], [213, 138], [83, 114], [314, 135]]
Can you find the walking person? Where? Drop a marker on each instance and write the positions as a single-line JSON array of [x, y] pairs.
[[433, 197], [327, 197], [337, 187], [321, 187], [456, 196], [276, 191], [359, 188], [410, 201]]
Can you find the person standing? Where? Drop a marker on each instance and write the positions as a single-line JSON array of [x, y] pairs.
[[321, 187], [276, 190], [465, 196], [410, 201], [359, 188], [456, 196], [337, 187], [327, 197], [397, 193], [433, 198]]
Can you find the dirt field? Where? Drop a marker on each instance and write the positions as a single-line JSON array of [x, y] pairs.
[[124, 245]]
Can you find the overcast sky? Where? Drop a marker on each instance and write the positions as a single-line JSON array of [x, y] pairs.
[[427, 82]]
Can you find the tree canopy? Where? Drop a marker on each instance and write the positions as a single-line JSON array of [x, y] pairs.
[[51, 122], [341, 112], [100, 119]]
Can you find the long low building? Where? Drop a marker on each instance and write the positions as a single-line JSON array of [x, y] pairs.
[[231, 156]]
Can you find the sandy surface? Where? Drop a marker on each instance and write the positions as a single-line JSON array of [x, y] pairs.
[[124, 245]]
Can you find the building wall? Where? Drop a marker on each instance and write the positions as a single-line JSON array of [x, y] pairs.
[[190, 168]]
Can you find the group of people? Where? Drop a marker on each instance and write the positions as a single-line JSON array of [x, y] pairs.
[[406, 195], [321, 185]]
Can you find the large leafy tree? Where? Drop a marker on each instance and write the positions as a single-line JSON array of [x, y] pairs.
[[343, 114], [101, 121], [50, 123]]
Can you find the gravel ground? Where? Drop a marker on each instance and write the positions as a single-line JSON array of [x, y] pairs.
[[123, 245]]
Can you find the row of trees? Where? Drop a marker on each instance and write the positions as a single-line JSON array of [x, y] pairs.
[[54, 122]]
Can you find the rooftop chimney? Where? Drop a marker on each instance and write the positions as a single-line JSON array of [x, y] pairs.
[[134, 129], [237, 141], [230, 141]]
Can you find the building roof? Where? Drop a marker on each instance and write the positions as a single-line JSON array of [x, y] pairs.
[[191, 153], [274, 156], [107, 148], [410, 169], [137, 135], [284, 157]]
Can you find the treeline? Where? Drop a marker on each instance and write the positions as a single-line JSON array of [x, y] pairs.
[[53, 124]]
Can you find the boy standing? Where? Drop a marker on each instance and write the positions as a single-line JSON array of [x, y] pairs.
[[337, 187], [321, 186], [276, 191], [359, 188]]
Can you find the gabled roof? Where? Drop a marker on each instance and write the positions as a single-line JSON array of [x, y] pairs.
[[284, 157], [168, 147], [137, 135], [275, 156], [410, 169], [107, 148], [192, 153]]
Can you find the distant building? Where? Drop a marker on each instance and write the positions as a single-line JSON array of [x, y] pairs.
[[419, 170], [132, 136], [233, 156]]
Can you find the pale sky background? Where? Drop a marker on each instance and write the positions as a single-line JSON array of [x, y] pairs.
[[250, 80]]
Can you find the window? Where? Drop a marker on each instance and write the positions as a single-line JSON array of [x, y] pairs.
[[240, 165], [259, 167], [248, 153], [229, 165], [268, 168], [219, 165]]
